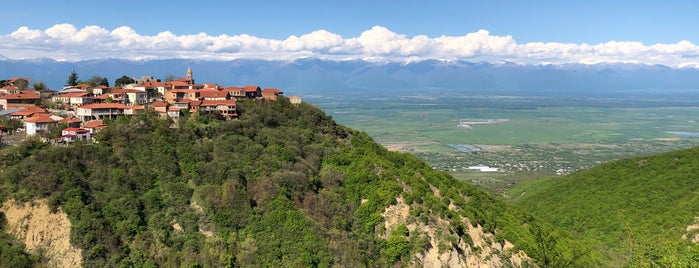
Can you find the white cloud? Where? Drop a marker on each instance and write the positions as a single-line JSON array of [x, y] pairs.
[[65, 41], [25, 34], [61, 31], [320, 40]]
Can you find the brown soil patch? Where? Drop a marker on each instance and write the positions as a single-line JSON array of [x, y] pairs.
[[42, 232], [692, 228], [395, 215], [407, 146]]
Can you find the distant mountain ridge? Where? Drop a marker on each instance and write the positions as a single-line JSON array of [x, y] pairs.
[[359, 77]]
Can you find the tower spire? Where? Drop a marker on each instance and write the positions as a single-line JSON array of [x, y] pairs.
[[189, 75]]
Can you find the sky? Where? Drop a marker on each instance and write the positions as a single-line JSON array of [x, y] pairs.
[[528, 32]]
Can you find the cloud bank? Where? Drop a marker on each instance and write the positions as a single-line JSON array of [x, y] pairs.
[[66, 42]]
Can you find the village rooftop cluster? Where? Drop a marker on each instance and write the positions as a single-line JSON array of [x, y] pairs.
[[82, 108]]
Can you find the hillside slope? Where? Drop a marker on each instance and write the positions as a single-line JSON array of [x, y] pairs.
[[283, 186], [644, 209]]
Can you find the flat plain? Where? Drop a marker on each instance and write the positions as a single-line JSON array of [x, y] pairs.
[[524, 137]]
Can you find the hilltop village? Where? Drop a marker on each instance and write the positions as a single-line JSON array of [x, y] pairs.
[[79, 111]]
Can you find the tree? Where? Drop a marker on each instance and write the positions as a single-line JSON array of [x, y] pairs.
[[123, 80], [54, 131], [39, 85], [21, 84], [72, 79], [11, 125], [97, 80], [170, 77]]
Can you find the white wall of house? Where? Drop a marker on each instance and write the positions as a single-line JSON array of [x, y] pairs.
[[80, 100], [84, 112], [30, 128], [137, 97]]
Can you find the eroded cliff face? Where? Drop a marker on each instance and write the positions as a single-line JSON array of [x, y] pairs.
[[43, 232], [481, 251]]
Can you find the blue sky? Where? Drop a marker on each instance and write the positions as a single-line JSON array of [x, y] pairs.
[[525, 22]]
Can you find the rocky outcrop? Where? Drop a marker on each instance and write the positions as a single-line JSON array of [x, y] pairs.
[[446, 249], [43, 232]]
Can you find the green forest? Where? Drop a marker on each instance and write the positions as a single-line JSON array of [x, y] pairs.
[[282, 186], [638, 208]]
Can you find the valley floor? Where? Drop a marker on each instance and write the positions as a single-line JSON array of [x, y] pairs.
[[533, 136]]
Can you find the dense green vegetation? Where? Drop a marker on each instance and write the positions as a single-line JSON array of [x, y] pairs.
[[638, 207], [283, 186]]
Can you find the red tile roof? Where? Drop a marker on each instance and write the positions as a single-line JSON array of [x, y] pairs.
[[74, 95], [75, 129], [40, 118], [151, 84], [71, 120], [211, 86], [20, 96], [20, 105], [158, 104], [29, 111], [272, 90], [94, 124], [251, 88]]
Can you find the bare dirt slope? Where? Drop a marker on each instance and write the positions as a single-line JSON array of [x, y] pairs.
[[481, 251], [42, 232]]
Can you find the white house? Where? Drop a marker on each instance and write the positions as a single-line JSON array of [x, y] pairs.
[[72, 134], [39, 123]]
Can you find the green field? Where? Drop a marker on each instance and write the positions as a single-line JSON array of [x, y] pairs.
[[541, 135]]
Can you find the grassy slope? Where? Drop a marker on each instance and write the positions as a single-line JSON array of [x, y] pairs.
[[638, 207]]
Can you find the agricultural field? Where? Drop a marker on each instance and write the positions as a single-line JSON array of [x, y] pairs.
[[524, 137]]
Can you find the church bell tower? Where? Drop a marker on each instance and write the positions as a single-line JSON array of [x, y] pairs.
[[190, 77]]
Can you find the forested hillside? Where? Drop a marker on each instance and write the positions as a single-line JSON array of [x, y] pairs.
[[644, 209], [283, 186]]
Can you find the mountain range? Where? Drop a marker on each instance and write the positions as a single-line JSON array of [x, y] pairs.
[[311, 76]]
